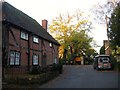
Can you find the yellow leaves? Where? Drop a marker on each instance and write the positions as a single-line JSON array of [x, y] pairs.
[[118, 50], [61, 51], [64, 27]]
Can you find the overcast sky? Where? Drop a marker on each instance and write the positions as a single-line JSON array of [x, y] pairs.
[[49, 9]]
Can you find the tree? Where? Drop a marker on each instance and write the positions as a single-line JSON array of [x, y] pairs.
[[114, 34], [114, 26], [80, 42], [102, 13], [103, 10], [102, 50], [66, 28], [90, 54]]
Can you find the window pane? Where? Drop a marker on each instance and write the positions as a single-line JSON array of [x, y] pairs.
[[35, 59], [55, 61], [17, 54], [17, 58], [12, 57], [26, 36], [35, 39], [22, 35], [11, 61], [35, 62], [50, 44]]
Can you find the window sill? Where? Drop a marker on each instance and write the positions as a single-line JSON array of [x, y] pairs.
[[14, 65], [36, 43], [24, 39]]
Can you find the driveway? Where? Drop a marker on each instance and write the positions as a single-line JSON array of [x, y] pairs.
[[84, 76]]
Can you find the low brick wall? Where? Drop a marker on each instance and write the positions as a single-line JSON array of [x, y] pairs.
[[30, 79], [15, 70], [37, 75]]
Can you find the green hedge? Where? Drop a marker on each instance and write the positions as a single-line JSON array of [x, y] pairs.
[[31, 79], [51, 68], [118, 66], [36, 75]]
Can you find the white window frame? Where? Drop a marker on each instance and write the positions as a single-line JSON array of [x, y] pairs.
[[55, 60], [35, 39], [35, 59], [24, 35], [14, 58]]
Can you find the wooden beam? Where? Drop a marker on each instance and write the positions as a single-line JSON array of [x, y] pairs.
[[13, 36]]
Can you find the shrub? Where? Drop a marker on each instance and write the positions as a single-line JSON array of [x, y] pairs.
[[35, 70]]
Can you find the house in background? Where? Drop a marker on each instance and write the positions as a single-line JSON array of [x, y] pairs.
[[25, 42]]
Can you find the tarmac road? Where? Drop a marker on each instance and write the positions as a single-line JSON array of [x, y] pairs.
[[84, 76]]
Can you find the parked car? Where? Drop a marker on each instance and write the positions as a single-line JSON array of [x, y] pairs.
[[102, 62]]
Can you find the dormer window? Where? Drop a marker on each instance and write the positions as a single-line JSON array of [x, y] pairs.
[[35, 39], [50, 44], [24, 35]]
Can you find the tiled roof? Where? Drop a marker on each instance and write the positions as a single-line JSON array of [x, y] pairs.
[[18, 18]]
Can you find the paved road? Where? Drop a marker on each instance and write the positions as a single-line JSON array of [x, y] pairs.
[[84, 76]]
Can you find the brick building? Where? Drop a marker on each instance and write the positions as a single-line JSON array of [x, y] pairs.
[[25, 42]]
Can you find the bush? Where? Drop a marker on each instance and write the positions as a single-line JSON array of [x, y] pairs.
[[50, 68], [118, 66], [114, 62], [35, 70], [58, 67], [25, 79]]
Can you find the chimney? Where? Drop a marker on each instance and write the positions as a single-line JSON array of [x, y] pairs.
[[44, 24], [107, 48]]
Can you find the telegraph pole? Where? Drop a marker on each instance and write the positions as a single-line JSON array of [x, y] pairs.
[[107, 26], [106, 18]]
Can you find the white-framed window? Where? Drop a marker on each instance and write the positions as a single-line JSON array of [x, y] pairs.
[[14, 58], [24, 35], [55, 60], [35, 39], [35, 59], [50, 44]]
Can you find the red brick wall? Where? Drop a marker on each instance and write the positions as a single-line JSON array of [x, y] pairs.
[[11, 39], [51, 53], [107, 47], [22, 45], [16, 70], [44, 24]]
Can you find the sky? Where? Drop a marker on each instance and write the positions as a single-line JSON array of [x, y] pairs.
[[49, 9]]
